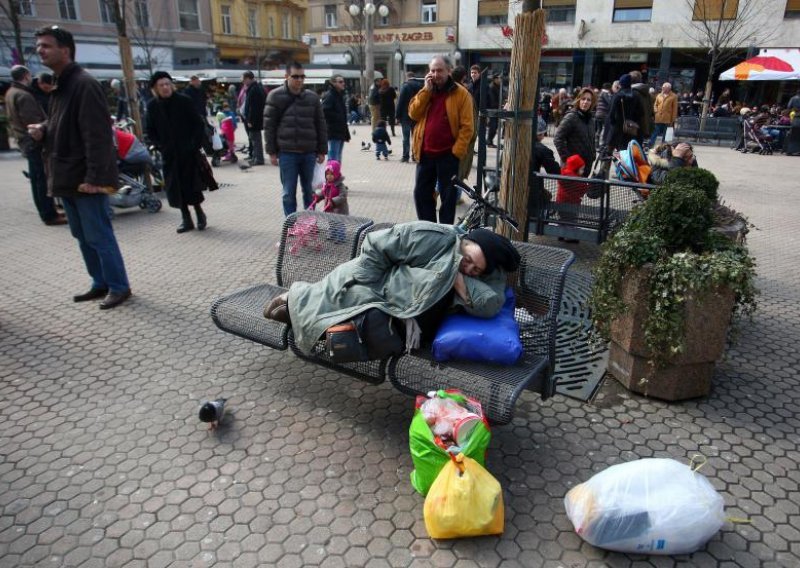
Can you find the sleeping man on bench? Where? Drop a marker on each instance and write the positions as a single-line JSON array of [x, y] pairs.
[[416, 272]]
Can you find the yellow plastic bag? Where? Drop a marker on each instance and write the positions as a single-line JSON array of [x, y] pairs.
[[465, 500]]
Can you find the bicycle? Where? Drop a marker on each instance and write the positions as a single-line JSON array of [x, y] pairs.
[[478, 213]]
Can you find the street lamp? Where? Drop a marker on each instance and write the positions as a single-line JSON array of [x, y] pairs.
[[398, 56], [368, 10]]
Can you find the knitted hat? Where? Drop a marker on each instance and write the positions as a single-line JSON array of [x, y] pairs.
[[625, 81], [497, 250]]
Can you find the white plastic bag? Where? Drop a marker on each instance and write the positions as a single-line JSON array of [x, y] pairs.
[[670, 135], [216, 141], [319, 175], [647, 506]]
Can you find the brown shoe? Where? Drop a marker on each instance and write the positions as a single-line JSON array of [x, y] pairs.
[[114, 299], [57, 220], [278, 309], [92, 294]]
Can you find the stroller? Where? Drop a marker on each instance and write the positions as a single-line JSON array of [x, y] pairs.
[[222, 140], [754, 140], [133, 160]]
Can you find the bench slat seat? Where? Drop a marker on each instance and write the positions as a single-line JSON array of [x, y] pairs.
[[312, 244], [538, 287]]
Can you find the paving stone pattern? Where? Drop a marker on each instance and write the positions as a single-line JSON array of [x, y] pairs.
[[104, 462]]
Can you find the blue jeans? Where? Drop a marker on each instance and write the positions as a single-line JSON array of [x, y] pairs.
[[659, 130], [44, 205], [90, 223], [291, 166], [335, 148], [407, 128]]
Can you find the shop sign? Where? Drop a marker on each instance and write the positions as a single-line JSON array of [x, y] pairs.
[[625, 57], [422, 35]]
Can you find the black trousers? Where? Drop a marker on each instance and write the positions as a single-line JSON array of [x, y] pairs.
[[430, 172]]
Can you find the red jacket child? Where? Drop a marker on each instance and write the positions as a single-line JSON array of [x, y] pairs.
[[568, 191]]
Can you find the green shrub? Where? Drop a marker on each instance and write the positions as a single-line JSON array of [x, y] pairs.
[[679, 214], [698, 178]]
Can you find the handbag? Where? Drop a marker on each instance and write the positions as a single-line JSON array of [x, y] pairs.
[[206, 174], [368, 336], [629, 127], [597, 188]]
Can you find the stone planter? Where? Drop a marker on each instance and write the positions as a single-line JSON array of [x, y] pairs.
[[687, 375]]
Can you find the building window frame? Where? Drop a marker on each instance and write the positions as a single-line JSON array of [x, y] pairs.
[[189, 20], [252, 21], [429, 10], [624, 15], [702, 6], [271, 27], [26, 9], [141, 13], [225, 19], [286, 27], [331, 16], [68, 10], [792, 11]]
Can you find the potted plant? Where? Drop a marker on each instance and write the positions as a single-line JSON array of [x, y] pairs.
[[666, 287]]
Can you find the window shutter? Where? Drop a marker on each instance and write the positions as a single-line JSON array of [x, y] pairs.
[[712, 9], [557, 3], [632, 4], [493, 8]]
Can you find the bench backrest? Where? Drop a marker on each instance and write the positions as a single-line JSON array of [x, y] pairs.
[[690, 123], [538, 286], [313, 243]]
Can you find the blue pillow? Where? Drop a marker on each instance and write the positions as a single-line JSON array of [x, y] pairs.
[[494, 340]]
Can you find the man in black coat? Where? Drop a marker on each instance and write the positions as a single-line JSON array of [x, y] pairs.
[[198, 96], [495, 100], [624, 106], [254, 116], [410, 88], [336, 118], [541, 157]]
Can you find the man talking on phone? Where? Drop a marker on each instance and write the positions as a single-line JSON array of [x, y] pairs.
[[442, 110]]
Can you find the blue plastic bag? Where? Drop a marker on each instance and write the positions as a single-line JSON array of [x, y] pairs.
[[493, 340]]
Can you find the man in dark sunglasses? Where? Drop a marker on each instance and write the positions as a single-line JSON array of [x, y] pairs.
[[295, 135]]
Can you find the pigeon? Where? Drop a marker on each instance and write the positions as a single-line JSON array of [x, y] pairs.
[[212, 412]]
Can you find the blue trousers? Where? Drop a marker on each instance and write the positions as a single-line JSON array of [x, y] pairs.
[[44, 205], [433, 171], [407, 127], [90, 223], [293, 165], [335, 148], [659, 130]]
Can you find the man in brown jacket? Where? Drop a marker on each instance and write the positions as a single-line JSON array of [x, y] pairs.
[[82, 164], [23, 109], [666, 112]]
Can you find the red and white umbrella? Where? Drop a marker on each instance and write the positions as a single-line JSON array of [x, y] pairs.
[[769, 65]]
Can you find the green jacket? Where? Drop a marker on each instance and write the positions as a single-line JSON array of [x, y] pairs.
[[402, 271]]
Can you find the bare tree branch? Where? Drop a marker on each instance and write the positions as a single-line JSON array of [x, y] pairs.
[[12, 36]]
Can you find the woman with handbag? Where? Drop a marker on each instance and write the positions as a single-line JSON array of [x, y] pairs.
[[417, 272], [174, 126], [623, 120], [575, 133]]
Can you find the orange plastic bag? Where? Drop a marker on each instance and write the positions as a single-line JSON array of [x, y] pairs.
[[465, 500]]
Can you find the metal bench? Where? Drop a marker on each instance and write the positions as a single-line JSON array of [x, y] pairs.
[[538, 284], [723, 128], [593, 219]]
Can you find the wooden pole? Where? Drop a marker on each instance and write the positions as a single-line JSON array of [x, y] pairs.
[[529, 28]]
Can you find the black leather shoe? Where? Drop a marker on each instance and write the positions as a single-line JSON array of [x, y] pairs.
[[202, 220], [93, 294], [114, 299], [183, 227]]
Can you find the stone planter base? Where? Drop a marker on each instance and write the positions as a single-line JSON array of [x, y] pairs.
[[687, 375], [674, 382]]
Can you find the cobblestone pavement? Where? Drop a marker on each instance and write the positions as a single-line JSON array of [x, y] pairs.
[[104, 462]]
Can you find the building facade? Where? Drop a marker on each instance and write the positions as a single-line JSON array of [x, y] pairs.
[[266, 32], [589, 42], [404, 39], [164, 34]]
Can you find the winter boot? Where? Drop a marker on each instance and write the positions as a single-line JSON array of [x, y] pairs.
[[187, 224], [201, 218]]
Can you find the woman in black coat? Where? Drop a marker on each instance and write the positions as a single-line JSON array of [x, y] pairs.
[[575, 133], [387, 96], [177, 130]]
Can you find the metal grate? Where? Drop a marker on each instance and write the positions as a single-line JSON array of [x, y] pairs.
[[580, 367]]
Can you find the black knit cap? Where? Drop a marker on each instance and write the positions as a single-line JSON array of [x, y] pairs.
[[159, 75], [497, 249]]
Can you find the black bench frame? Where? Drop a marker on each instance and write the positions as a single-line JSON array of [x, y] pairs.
[[538, 284], [716, 128]]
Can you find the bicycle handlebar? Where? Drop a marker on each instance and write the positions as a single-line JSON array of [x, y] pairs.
[[476, 196]]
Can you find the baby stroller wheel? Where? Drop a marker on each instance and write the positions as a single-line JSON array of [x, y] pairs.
[[143, 204], [154, 205]]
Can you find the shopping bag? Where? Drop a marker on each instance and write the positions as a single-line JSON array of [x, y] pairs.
[[428, 452], [647, 506], [319, 176], [670, 135], [216, 141], [465, 500]]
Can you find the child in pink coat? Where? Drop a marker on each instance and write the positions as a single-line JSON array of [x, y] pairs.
[[333, 193]]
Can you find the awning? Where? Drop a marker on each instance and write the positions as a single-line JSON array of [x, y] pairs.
[[419, 58], [330, 58], [768, 65]]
